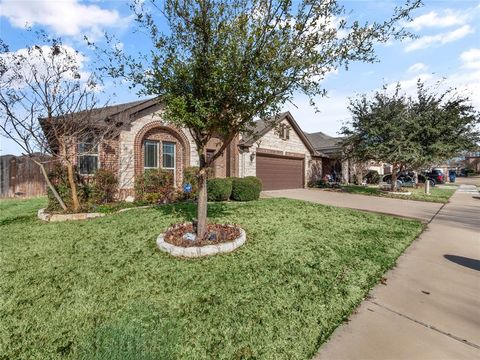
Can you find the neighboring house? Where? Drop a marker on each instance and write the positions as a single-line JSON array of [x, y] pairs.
[[332, 148], [334, 161], [277, 150], [472, 160], [467, 160]]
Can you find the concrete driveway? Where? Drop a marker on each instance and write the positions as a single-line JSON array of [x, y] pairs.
[[471, 180], [398, 207], [430, 305]]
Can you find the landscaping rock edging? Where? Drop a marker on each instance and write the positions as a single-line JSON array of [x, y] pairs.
[[200, 251], [43, 215]]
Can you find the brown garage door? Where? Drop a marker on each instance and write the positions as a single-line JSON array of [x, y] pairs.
[[277, 172]]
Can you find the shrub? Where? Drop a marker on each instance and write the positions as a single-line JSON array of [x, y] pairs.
[[246, 189], [104, 186], [219, 189], [190, 177], [59, 179], [372, 177], [321, 184], [155, 186]]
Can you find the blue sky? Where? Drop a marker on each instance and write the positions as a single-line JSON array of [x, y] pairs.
[[448, 48]]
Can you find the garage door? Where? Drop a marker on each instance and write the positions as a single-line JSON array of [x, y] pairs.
[[277, 172]]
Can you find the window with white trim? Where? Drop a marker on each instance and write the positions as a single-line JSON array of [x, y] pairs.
[[168, 155], [87, 156], [150, 150]]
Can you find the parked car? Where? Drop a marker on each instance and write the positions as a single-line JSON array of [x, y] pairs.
[[436, 175], [406, 179], [402, 180]]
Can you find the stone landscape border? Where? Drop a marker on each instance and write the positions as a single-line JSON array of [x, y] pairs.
[[200, 251], [42, 214]]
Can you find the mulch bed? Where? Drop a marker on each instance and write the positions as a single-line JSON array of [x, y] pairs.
[[216, 234]]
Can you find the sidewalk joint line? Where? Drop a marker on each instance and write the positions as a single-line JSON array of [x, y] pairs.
[[459, 339], [438, 211]]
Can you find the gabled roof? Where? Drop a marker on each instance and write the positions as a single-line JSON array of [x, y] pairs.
[[263, 126], [324, 143]]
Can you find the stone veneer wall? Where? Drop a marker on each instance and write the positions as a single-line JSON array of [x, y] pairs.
[[271, 141]]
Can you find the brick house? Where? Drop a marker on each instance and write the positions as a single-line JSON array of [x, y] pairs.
[[334, 160], [276, 150]]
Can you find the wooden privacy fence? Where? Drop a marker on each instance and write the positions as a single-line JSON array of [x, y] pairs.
[[21, 177]]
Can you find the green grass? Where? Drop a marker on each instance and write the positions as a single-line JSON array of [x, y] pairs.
[[436, 194], [99, 289]]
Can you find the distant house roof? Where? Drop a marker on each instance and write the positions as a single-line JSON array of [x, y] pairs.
[[326, 144]]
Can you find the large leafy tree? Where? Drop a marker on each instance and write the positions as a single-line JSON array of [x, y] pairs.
[[410, 132], [222, 63]]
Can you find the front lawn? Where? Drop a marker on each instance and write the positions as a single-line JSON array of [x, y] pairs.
[[99, 289], [436, 194]]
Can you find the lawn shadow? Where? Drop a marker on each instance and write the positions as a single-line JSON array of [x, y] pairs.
[[464, 261], [17, 219], [188, 211], [139, 333]]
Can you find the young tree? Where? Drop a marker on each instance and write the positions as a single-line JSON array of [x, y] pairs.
[[410, 133], [42, 86], [221, 64]]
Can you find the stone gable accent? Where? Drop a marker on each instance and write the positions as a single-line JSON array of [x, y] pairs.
[[272, 143]]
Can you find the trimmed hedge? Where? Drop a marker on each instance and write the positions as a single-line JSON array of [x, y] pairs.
[[246, 189], [219, 189]]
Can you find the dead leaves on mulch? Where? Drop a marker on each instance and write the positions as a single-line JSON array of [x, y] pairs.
[[216, 234]]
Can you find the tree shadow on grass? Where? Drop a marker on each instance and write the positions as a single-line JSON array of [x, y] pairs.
[[140, 333], [17, 219], [188, 211]]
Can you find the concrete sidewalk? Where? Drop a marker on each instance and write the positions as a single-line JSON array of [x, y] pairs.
[[430, 305], [398, 207]]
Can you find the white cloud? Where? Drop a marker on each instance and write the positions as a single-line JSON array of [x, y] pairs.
[[466, 83], [439, 39], [65, 18], [418, 67], [434, 19], [33, 61], [471, 58], [409, 86], [333, 113]]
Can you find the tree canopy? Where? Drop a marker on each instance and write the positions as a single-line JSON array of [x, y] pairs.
[[410, 132], [220, 64]]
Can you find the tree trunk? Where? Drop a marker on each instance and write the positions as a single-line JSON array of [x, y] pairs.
[[73, 186], [50, 185], [393, 185], [202, 204]]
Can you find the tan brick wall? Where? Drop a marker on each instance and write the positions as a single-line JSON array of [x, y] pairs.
[[131, 148]]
